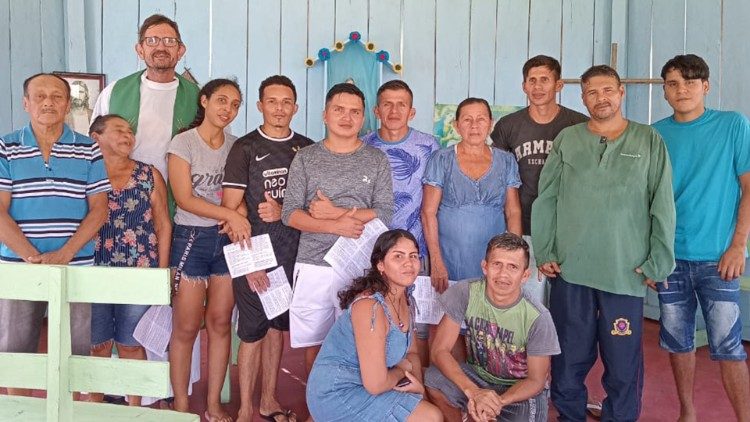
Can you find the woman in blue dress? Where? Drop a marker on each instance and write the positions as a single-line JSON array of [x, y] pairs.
[[470, 195], [368, 368]]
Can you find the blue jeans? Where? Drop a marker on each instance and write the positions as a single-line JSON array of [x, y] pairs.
[[691, 282], [115, 322]]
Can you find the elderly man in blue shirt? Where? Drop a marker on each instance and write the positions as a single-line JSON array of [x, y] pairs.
[[53, 200]]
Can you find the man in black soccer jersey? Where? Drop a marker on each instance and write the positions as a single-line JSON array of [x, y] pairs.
[[257, 169]]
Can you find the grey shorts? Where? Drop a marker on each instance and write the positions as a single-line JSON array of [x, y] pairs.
[[535, 409], [22, 323]]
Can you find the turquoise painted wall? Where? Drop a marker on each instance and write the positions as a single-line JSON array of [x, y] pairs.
[[450, 49]]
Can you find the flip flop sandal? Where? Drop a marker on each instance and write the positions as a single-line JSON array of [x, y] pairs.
[[594, 409], [271, 417]]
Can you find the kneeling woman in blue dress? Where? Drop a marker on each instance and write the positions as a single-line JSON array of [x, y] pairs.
[[368, 368]]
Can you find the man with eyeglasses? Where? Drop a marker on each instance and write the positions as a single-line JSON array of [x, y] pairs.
[[157, 102]]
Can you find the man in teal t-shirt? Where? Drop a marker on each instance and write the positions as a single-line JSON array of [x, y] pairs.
[[710, 155]]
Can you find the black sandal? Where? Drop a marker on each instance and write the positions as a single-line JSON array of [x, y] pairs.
[[271, 417]]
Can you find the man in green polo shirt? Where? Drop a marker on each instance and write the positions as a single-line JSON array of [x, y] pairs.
[[603, 229]]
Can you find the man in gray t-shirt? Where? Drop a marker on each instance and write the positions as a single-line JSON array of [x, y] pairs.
[[528, 134], [509, 340], [334, 187]]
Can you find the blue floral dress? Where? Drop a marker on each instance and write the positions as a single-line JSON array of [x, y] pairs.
[[128, 238]]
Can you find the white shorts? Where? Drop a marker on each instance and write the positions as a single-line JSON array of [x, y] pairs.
[[315, 304], [537, 285]]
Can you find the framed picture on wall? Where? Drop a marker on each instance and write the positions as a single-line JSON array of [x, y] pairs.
[[84, 90]]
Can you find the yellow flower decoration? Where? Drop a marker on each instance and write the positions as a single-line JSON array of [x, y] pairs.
[[397, 67], [309, 62], [370, 46], [339, 46]]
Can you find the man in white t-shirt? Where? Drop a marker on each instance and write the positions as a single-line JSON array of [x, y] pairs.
[[157, 102]]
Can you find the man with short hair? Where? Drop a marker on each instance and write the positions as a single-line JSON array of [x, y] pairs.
[[157, 102], [408, 151], [603, 228], [334, 188], [257, 169], [53, 200], [528, 134], [710, 155], [509, 340]]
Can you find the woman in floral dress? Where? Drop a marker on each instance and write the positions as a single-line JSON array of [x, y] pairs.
[[136, 234]]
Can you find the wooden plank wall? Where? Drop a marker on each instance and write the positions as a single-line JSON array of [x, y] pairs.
[[450, 49]]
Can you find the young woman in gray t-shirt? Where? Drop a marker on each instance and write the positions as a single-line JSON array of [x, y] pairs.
[[202, 285]]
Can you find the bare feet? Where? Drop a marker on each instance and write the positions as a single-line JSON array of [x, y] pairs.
[[216, 413], [687, 415], [244, 415], [181, 404]]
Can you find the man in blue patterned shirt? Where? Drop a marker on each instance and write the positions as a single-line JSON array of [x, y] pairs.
[[408, 151], [53, 200]]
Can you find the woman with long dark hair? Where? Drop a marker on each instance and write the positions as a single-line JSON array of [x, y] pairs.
[[368, 368], [202, 285]]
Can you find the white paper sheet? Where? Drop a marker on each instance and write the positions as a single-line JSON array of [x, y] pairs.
[[351, 257], [153, 332], [245, 261], [429, 310], [278, 296], [154, 329]]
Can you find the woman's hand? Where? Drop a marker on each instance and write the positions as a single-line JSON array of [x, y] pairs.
[[238, 228], [438, 275], [405, 364], [415, 386]]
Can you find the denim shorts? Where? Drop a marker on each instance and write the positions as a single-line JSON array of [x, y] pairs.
[[690, 283], [115, 322], [197, 252]]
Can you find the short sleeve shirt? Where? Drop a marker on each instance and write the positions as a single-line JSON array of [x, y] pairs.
[[443, 171], [708, 156], [206, 171], [408, 158], [500, 339], [50, 199], [530, 142], [259, 164], [361, 178]]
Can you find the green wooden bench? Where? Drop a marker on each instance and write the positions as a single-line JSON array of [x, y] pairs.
[[60, 373]]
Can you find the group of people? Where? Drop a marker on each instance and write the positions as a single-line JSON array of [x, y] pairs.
[[610, 206]]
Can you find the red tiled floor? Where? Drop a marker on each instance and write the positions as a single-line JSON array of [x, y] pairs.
[[659, 394]]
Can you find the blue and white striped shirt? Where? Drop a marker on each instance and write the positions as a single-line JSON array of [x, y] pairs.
[[49, 200]]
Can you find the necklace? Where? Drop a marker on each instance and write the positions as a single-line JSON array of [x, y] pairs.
[[398, 314]]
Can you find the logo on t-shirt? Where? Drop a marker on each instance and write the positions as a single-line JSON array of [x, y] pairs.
[[259, 158], [536, 147], [274, 181], [366, 179]]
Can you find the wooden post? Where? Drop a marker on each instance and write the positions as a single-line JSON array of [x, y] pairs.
[[59, 396]]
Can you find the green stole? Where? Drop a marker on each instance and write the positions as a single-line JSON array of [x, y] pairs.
[[126, 101]]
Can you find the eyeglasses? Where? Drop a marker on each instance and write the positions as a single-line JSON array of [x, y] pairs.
[[167, 41]]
